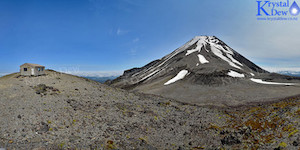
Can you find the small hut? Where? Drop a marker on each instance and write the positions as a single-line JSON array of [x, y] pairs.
[[29, 69]]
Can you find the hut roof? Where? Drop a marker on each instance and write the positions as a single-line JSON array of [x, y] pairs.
[[33, 65]]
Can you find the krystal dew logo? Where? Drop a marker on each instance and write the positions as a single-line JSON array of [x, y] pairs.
[[277, 10]]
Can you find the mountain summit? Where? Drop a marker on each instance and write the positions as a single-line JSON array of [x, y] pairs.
[[203, 63]]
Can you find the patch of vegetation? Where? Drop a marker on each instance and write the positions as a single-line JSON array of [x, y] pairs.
[[42, 89], [61, 145], [256, 126], [110, 145]]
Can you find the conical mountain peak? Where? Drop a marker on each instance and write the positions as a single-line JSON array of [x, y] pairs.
[[202, 68], [202, 55]]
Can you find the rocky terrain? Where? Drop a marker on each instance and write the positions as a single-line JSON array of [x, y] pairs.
[[61, 111], [207, 71]]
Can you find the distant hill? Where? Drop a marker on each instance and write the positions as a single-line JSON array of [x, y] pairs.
[[100, 79], [290, 73], [3, 74]]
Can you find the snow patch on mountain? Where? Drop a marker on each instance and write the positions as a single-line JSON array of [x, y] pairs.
[[252, 74], [149, 75], [235, 74], [260, 81], [202, 59], [188, 52], [221, 48], [200, 44], [198, 48], [179, 76], [219, 53], [234, 60]]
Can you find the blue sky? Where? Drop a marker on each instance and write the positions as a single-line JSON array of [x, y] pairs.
[[115, 35]]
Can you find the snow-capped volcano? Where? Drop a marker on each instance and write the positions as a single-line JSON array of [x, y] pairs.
[[201, 55], [201, 63]]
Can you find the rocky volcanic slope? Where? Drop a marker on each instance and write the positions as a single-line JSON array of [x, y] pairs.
[[60, 111], [207, 71]]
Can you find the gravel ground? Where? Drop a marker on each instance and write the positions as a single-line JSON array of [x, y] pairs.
[[61, 111]]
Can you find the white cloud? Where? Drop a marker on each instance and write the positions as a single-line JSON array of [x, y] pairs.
[[133, 51], [121, 32], [136, 40]]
